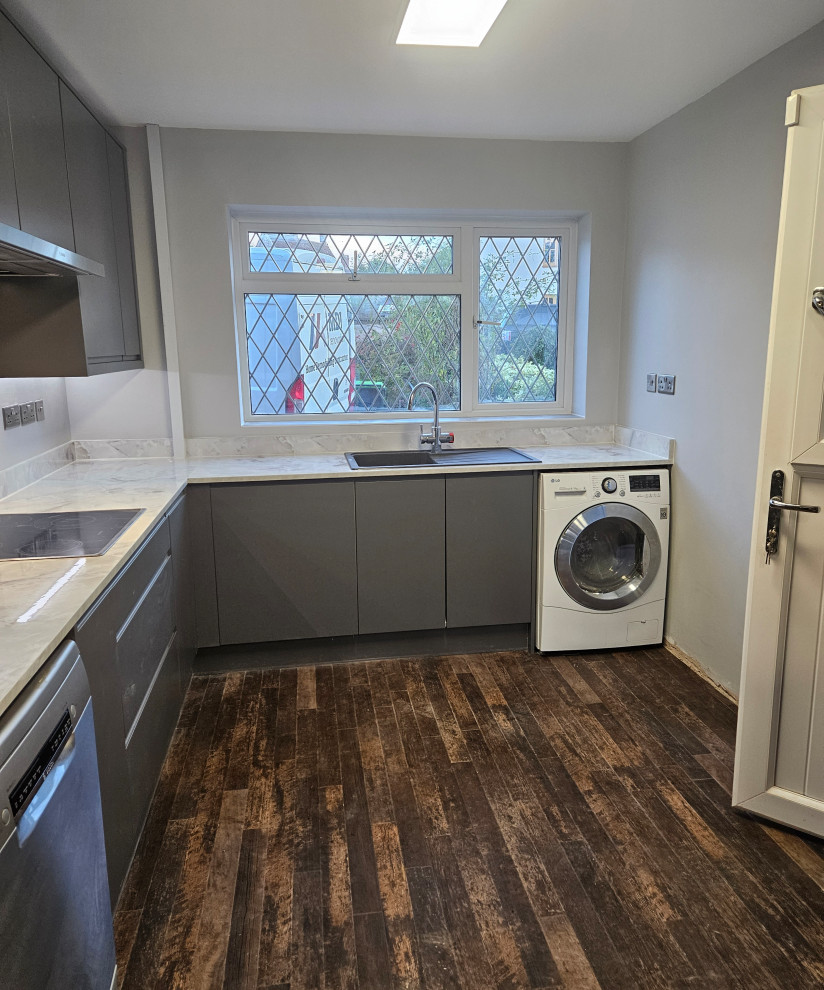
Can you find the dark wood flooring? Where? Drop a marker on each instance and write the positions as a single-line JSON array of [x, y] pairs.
[[495, 821]]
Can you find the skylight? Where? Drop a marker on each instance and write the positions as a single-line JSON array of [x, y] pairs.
[[463, 23]]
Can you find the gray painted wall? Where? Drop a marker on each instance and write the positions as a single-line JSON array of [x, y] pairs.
[[703, 205], [206, 171]]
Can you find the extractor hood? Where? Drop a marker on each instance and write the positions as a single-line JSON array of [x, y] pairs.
[[25, 254]]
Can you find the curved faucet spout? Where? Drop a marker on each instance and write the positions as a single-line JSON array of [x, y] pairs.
[[431, 388], [436, 438]]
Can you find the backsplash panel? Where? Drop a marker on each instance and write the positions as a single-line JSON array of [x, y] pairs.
[[13, 478], [466, 435], [88, 450]]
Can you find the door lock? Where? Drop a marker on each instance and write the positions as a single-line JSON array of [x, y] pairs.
[[777, 506], [818, 299]]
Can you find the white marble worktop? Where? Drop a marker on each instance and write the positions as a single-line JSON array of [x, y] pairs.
[[42, 600], [214, 470]]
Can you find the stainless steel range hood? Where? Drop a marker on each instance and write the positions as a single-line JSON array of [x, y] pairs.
[[25, 254]]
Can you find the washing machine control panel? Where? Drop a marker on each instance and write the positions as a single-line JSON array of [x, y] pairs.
[[634, 486], [645, 482]]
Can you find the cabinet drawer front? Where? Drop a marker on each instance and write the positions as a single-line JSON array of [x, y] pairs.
[[143, 641], [128, 587], [152, 732], [400, 525]]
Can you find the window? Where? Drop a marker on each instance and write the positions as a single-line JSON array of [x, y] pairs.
[[342, 320]]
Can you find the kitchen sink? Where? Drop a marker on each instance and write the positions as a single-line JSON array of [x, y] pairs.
[[444, 458]]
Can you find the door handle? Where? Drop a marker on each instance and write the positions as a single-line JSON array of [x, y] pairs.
[[776, 503], [818, 299], [777, 506]]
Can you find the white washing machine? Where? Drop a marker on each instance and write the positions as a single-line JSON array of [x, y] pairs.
[[602, 558]]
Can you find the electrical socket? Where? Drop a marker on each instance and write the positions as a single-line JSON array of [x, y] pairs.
[[27, 413], [11, 417], [652, 382], [39, 410], [666, 384]]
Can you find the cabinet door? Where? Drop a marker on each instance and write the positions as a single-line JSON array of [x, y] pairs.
[[489, 549], [8, 194], [88, 168], [121, 218], [33, 96], [184, 595], [285, 560], [400, 525]]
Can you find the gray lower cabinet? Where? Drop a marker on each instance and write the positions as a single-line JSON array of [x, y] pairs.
[[180, 534], [303, 560], [36, 132], [400, 539], [136, 643], [284, 557], [489, 549]]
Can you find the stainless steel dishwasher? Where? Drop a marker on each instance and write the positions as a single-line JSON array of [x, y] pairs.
[[55, 916]]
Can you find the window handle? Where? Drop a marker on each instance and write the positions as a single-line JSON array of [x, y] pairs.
[[487, 323]]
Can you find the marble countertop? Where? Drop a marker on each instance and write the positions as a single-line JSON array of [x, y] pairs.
[[295, 467], [42, 600]]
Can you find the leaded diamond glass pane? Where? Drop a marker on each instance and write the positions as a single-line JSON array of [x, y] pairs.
[[519, 287], [350, 353], [373, 254]]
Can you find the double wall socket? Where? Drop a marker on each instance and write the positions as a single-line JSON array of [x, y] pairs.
[[665, 384]]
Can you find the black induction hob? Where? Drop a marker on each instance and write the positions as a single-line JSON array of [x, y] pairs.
[[24, 535]]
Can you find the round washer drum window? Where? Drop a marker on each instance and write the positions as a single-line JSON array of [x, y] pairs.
[[608, 556]]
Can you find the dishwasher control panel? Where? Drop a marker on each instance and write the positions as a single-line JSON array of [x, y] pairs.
[[40, 767]]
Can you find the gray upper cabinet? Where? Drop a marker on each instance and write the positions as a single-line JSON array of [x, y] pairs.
[[87, 160], [401, 577], [285, 560], [62, 178], [121, 218], [35, 127], [489, 549], [8, 193]]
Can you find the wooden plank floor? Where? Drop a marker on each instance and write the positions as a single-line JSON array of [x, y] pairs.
[[496, 821]]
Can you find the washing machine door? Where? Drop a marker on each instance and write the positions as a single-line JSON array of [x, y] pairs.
[[608, 556]]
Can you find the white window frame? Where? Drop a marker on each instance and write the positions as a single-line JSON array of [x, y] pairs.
[[464, 282]]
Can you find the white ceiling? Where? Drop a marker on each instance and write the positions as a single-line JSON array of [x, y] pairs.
[[548, 69]]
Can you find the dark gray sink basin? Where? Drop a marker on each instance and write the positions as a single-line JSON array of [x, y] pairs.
[[445, 458]]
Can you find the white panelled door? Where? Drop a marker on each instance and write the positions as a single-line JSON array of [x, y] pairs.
[[779, 765]]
